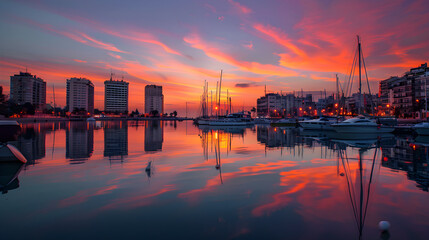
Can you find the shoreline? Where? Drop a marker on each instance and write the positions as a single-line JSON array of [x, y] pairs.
[[42, 120]]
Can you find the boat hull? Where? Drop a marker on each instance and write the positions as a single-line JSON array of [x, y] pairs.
[[422, 131], [362, 129], [316, 126], [227, 123]]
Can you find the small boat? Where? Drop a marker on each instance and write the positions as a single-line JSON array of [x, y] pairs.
[[9, 129], [286, 122], [322, 123], [360, 125], [91, 119], [422, 128], [9, 153]]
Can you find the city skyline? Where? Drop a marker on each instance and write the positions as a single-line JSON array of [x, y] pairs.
[[298, 45]]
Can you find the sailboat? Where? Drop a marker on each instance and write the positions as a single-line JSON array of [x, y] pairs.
[[360, 124]]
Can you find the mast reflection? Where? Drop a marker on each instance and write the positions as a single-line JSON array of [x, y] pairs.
[[360, 182]]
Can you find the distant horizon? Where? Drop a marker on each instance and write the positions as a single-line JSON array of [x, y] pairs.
[[290, 45]]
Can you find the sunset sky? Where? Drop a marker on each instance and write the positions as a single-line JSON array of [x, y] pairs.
[[287, 45]]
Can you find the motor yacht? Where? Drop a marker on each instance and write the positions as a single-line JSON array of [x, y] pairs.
[[262, 120], [286, 122], [422, 128], [234, 119], [322, 123], [361, 125]]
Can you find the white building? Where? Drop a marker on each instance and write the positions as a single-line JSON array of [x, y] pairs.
[[80, 94], [116, 96], [26, 88], [153, 99]]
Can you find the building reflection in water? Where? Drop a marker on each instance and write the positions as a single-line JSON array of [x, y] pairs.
[[79, 141], [153, 136], [116, 140], [411, 157], [31, 142]]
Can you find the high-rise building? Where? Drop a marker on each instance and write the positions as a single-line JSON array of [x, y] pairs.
[[80, 95], [27, 88], [115, 96], [153, 99]]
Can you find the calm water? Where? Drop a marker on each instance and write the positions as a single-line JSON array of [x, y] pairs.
[[166, 180]]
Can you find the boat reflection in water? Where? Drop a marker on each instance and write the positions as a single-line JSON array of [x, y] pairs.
[[215, 139], [11, 164], [360, 181], [218, 183]]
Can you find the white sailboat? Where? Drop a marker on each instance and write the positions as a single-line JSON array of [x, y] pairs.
[[360, 124]]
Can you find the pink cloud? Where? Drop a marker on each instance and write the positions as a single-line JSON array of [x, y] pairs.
[[240, 7]]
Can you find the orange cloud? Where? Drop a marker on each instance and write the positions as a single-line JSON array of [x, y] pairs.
[[266, 69]]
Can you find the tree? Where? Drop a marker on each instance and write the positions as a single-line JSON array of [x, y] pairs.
[[175, 113], [28, 108], [154, 113]]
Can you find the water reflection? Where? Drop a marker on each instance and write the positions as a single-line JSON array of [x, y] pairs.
[[116, 140], [32, 142], [360, 179], [9, 172], [410, 157], [153, 136], [79, 141], [218, 183]]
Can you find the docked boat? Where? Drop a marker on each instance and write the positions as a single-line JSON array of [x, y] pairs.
[[262, 120], [322, 123], [422, 128], [9, 153], [9, 129], [285, 122], [234, 119], [91, 119], [361, 125]]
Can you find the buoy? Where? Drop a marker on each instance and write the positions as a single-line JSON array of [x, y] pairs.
[[384, 225]]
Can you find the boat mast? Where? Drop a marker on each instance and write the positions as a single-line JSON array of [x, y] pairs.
[[338, 96], [220, 88], [55, 105], [360, 75], [227, 102]]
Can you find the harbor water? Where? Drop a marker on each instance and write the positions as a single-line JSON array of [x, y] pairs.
[[174, 180]]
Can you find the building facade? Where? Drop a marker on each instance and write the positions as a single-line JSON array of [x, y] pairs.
[[405, 96], [116, 96], [80, 95], [153, 99], [27, 88]]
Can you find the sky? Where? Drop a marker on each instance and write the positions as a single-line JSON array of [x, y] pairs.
[[283, 45]]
